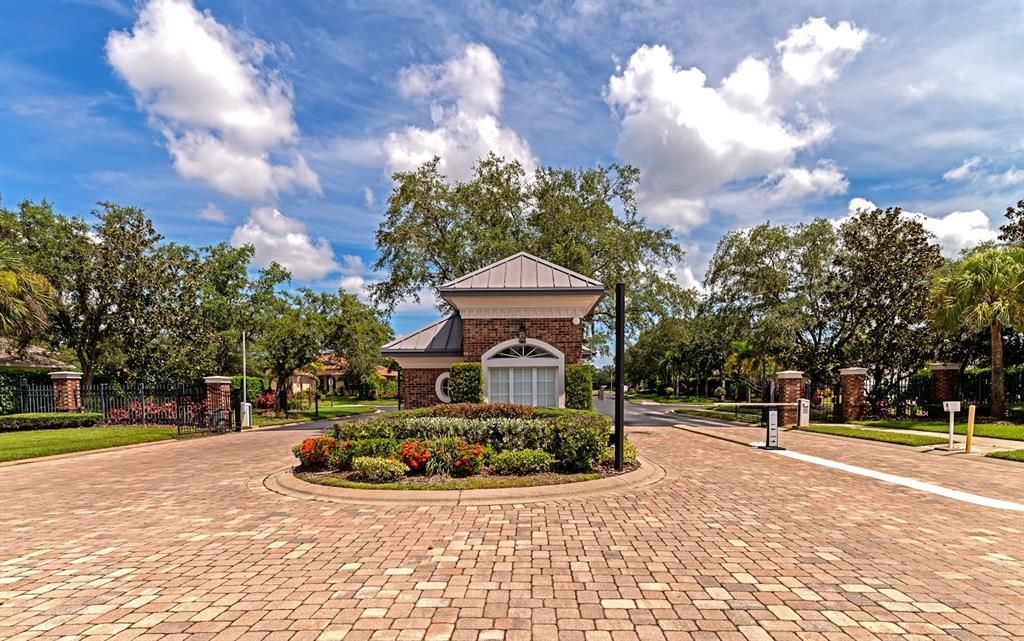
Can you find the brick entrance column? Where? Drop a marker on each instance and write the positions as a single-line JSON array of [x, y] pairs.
[[791, 386], [218, 393], [852, 381], [67, 391], [944, 379]]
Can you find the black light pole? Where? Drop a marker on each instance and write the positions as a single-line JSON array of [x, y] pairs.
[[620, 350]]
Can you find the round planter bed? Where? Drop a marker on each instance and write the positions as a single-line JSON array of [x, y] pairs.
[[478, 490]]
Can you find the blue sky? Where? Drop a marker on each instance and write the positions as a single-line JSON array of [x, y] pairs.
[[279, 123]]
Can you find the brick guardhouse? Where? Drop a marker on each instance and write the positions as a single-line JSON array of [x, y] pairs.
[[520, 318]]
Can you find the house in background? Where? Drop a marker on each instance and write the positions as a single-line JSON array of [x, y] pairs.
[[31, 357], [520, 318], [328, 375]]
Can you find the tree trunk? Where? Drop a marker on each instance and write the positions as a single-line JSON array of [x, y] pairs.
[[282, 394], [998, 409]]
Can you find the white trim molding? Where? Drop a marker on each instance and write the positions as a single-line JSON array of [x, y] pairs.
[[789, 373], [937, 367], [421, 361], [524, 312], [60, 376], [853, 371], [487, 362], [439, 387], [216, 380]]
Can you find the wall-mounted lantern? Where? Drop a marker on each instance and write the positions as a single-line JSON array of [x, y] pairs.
[[522, 332]]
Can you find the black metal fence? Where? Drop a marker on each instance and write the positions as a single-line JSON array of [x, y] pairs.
[[36, 398], [826, 399], [186, 407]]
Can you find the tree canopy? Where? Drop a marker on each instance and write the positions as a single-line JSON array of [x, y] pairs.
[[436, 229]]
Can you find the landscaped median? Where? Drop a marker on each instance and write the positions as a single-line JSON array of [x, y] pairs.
[[744, 415], [462, 447], [1008, 431], [913, 440]]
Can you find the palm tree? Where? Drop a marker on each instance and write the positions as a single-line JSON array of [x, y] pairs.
[[25, 296], [983, 289], [672, 363]]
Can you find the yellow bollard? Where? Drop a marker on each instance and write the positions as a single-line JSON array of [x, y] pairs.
[[970, 428]]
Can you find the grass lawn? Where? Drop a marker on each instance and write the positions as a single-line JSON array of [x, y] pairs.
[[301, 416], [722, 415], [682, 400], [352, 400], [913, 440], [15, 446], [1009, 455], [477, 483], [993, 430]]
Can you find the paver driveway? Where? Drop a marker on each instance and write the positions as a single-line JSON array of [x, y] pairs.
[[181, 541]]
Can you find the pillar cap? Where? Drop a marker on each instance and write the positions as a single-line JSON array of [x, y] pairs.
[[789, 373], [939, 366], [61, 376], [853, 371], [215, 380]]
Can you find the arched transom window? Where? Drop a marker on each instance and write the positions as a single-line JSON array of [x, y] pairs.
[[524, 351], [524, 373]]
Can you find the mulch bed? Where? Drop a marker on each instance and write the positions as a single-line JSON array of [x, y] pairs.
[[477, 481]]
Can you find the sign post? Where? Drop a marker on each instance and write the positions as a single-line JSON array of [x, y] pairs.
[[620, 387], [952, 407], [771, 436], [970, 428]]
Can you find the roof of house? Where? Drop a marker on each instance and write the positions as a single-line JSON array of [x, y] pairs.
[[443, 336], [522, 272], [385, 372], [330, 364], [31, 357]]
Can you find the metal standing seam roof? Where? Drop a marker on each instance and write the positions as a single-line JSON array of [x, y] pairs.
[[443, 336], [522, 272]]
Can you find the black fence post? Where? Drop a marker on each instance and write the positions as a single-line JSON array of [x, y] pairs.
[[620, 350]]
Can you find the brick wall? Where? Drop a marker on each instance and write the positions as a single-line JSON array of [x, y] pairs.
[[417, 387], [853, 396], [481, 334], [944, 384], [789, 390]]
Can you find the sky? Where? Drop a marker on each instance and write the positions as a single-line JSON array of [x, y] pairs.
[[280, 123]]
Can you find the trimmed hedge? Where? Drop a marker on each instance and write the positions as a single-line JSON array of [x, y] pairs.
[[579, 387], [578, 441], [254, 385], [375, 469], [466, 383], [48, 421], [481, 410], [375, 448], [520, 462]]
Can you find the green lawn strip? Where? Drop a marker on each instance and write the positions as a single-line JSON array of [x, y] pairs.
[[1008, 455], [484, 483], [742, 417], [913, 440], [15, 446], [352, 400], [991, 430], [302, 416], [672, 400]]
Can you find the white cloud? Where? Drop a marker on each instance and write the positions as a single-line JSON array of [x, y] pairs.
[[691, 139], [956, 231], [285, 240], [812, 53], [213, 214], [963, 170], [227, 118], [369, 198], [352, 265], [1010, 177], [465, 94]]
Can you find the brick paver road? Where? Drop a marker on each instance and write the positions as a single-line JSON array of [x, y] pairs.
[[180, 540]]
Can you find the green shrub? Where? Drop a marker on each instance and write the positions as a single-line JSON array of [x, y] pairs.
[[500, 433], [629, 455], [10, 381], [466, 383], [375, 448], [579, 387], [481, 410], [48, 421], [520, 462], [340, 456], [360, 430], [578, 440], [454, 457], [374, 469], [254, 386]]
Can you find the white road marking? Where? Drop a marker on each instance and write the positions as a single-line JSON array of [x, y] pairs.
[[956, 495]]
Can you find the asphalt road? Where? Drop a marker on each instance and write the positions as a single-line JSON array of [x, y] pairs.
[[654, 414]]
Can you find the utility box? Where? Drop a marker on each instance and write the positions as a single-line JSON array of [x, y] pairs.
[[803, 414], [246, 411]]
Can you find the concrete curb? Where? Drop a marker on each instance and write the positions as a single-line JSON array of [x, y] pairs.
[[285, 483]]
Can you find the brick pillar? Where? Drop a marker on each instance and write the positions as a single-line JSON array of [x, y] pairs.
[[790, 386], [944, 380], [67, 391], [218, 393], [852, 381]]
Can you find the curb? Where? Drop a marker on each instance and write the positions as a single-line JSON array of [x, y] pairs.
[[285, 483]]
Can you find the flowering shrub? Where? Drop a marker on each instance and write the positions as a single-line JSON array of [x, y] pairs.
[[469, 459], [265, 401], [314, 452], [136, 412], [414, 454]]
